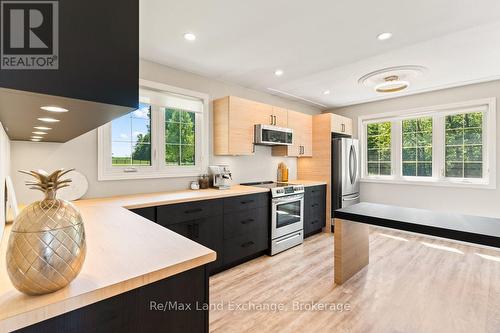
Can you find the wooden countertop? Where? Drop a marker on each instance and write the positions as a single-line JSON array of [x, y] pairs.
[[306, 183], [166, 198], [124, 251]]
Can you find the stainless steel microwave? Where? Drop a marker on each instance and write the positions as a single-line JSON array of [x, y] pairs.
[[273, 135]]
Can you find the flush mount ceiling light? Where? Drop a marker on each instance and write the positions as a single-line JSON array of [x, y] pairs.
[[42, 128], [39, 133], [392, 79], [37, 137], [384, 36], [278, 72], [48, 120], [53, 108], [189, 36], [326, 92], [392, 84], [35, 140]]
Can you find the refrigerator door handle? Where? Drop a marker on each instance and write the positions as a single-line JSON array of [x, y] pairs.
[[355, 155], [352, 158], [351, 199]]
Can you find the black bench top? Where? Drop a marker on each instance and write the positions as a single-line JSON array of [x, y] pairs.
[[467, 228]]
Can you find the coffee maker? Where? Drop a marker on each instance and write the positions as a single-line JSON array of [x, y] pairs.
[[220, 176]]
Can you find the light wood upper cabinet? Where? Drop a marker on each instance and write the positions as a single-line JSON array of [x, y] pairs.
[[301, 124], [280, 117], [234, 120], [340, 124]]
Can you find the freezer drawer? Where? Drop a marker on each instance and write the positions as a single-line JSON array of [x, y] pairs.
[[349, 200]]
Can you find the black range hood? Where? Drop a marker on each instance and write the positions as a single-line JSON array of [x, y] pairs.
[[97, 44]]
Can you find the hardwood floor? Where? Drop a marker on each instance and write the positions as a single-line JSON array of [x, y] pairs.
[[412, 284]]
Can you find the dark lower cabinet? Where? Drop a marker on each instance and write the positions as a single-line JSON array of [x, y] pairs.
[[175, 304], [237, 228], [314, 209], [205, 231]]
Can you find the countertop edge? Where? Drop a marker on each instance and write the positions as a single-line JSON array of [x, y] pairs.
[[55, 309]]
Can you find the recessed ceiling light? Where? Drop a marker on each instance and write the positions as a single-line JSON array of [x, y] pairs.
[[384, 36], [42, 128], [36, 137], [49, 120], [35, 140], [39, 133], [278, 72], [189, 36], [326, 92], [52, 108]]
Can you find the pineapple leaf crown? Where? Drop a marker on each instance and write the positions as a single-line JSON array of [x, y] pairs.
[[48, 183]]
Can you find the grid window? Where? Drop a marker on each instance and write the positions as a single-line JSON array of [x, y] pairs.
[[131, 138], [180, 131], [417, 147], [464, 145], [379, 148]]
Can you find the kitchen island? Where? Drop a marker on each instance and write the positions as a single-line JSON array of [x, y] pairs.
[[351, 231], [132, 265]]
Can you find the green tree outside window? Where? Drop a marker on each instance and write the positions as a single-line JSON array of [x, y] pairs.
[[417, 147], [379, 148]]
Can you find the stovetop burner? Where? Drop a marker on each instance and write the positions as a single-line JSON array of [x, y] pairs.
[[266, 184], [278, 189]]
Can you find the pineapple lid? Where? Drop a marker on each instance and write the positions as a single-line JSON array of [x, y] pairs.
[[50, 213]]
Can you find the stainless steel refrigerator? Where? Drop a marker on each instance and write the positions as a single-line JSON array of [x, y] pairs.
[[345, 173]]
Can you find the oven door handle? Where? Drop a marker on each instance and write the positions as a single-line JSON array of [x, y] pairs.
[[282, 201]]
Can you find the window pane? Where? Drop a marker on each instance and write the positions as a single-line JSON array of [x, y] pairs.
[[172, 154], [131, 138], [121, 153], [385, 169], [454, 169], [180, 139], [464, 150], [409, 169], [141, 154], [424, 169], [378, 143], [417, 147], [473, 170], [373, 169], [187, 154]]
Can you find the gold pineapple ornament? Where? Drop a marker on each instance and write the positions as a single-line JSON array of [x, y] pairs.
[[46, 248]]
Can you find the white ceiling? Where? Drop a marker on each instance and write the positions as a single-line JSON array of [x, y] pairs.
[[324, 44]]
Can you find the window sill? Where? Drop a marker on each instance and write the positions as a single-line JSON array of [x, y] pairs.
[[145, 175], [430, 182]]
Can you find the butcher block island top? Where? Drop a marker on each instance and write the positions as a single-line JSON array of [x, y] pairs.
[[124, 251]]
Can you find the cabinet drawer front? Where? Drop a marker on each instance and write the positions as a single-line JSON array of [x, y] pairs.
[[243, 246], [242, 202], [170, 214], [245, 222]]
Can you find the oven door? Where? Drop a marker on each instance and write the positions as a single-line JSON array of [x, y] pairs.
[[287, 215]]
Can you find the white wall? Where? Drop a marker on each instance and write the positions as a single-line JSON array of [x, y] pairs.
[[81, 153], [468, 201], [4, 172]]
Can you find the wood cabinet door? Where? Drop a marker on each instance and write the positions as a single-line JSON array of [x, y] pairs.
[[295, 120], [306, 135], [280, 116], [301, 123], [243, 115], [342, 125]]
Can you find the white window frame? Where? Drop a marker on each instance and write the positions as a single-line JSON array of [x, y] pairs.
[[158, 168], [438, 145]]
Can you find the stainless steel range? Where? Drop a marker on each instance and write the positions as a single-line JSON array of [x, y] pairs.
[[287, 215]]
